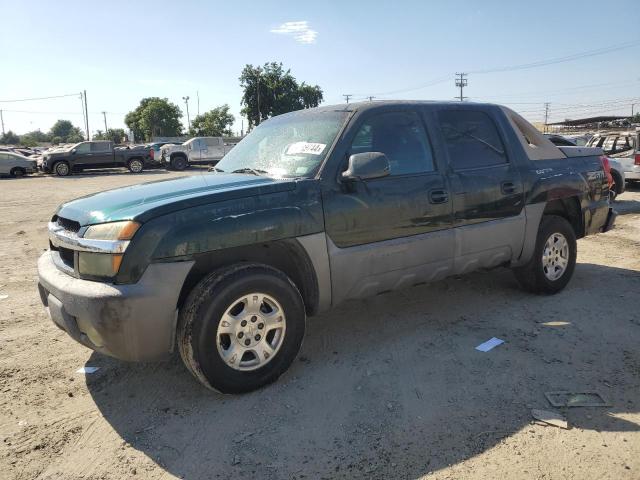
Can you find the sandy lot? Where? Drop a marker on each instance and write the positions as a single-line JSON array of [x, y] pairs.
[[390, 387]]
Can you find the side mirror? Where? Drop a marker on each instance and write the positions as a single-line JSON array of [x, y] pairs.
[[365, 166], [73, 152]]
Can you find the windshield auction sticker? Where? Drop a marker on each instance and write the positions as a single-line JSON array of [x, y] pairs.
[[306, 148]]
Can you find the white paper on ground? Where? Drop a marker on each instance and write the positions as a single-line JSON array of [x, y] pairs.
[[88, 370], [489, 344], [4, 297]]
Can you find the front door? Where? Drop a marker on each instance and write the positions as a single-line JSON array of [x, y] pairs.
[[487, 191], [389, 232]]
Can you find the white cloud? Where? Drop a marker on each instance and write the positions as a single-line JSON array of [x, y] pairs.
[[300, 31]]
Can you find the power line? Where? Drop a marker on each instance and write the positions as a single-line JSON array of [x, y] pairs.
[[553, 61], [39, 98]]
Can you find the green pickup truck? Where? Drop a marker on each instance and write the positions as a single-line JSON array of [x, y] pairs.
[[311, 209]]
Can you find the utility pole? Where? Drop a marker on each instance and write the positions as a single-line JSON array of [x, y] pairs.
[[2, 121], [258, 95], [371, 97], [186, 102], [347, 97], [632, 105], [198, 96], [461, 82], [546, 116], [86, 116], [104, 114]]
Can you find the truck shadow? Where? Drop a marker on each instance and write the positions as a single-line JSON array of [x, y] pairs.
[[392, 386]]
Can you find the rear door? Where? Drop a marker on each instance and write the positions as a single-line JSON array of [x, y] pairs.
[[195, 150], [102, 154], [487, 190], [392, 231]]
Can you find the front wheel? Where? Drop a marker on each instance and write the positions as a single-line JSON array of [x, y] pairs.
[[179, 163], [62, 169], [241, 327], [17, 172], [554, 258]]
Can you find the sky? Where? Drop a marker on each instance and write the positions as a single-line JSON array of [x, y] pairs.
[[123, 51]]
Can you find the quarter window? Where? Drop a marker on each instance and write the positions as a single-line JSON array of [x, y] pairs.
[[472, 139], [401, 137]]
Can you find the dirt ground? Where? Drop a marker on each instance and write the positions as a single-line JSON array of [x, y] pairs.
[[390, 387]]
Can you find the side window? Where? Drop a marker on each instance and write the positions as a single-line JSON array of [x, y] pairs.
[[401, 137], [212, 142], [4, 157], [623, 144], [196, 144], [471, 139], [99, 147], [83, 148], [607, 146]]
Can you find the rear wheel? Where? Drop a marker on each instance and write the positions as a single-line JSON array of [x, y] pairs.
[[179, 163], [553, 260], [62, 169], [135, 165], [17, 172], [241, 328]]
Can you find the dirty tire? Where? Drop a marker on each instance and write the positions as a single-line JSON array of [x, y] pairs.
[[531, 276], [17, 172], [135, 165], [62, 169], [179, 163], [203, 311]]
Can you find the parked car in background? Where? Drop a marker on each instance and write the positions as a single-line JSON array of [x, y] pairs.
[[16, 165], [311, 209], [154, 150], [87, 155], [623, 147], [615, 169], [198, 150]]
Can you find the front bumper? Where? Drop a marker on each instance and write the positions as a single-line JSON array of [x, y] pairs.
[[134, 322]]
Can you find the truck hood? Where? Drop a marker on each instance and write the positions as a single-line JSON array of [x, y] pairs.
[[148, 200]]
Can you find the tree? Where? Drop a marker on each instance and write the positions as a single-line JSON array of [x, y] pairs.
[[66, 131], [270, 90], [214, 123], [115, 135], [155, 117], [9, 138], [31, 139]]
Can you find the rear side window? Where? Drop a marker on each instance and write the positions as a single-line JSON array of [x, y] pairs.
[[212, 142], [623, 144], [99, 147], [401, 137], [471, 138]]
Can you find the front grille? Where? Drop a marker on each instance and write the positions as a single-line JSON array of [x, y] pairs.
[[69, 225]]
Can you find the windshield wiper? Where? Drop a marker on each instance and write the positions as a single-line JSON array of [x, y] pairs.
[[215, 169], [253, 171]]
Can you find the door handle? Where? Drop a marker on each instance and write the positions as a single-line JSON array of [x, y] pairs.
[[507, 188], [438, 196]]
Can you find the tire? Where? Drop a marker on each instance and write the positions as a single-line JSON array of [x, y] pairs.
[[17, 172], [537, 276], [62, 169], [179, 163], [220, 303], [618, 186], [135, 165]]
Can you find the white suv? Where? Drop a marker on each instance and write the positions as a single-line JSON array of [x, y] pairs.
[[198, 150]]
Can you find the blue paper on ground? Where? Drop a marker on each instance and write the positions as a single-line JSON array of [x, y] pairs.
[[489, 344]]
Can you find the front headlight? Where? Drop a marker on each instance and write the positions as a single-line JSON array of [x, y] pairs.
[[106, 264], [112, 231]]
